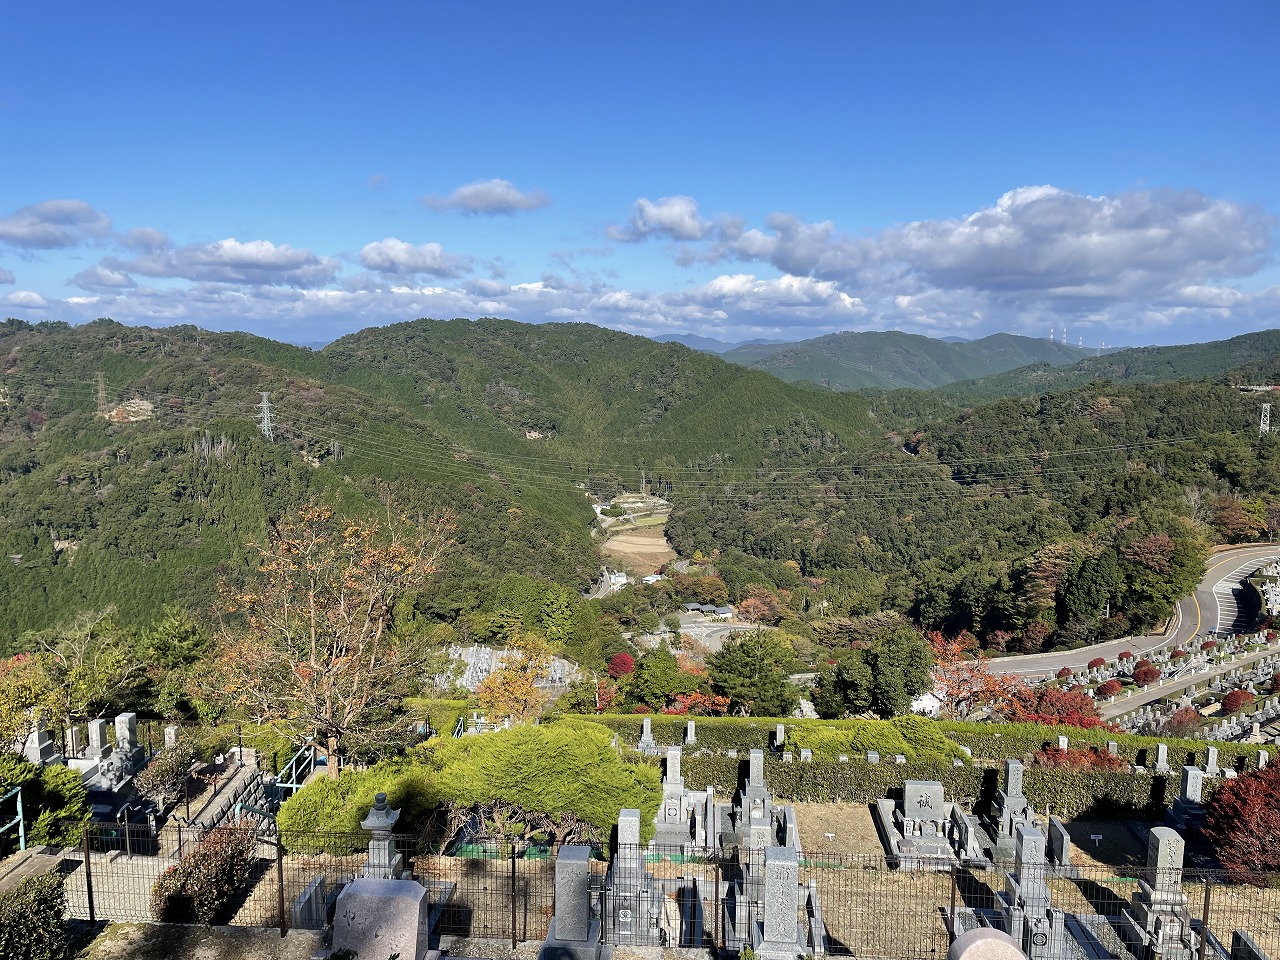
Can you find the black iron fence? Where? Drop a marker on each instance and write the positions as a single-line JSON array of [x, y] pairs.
[[861, 906]]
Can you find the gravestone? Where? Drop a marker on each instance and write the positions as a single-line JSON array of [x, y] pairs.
[[806, 755], [74, 742], [1162, 758], [1060, 848], [572, 920], [646, 744], [39, 747], [690, 732], [779, 736], [170, 736], [1263, 758], [1157, 920], [1211, 765], [873, 757], [129, 753], [378, 918], [774, 937], [98, 745]]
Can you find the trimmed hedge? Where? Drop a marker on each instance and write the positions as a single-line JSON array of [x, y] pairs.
[[55, 791], [918, 738], [909, 735], [1067, 793], [1001, 741], [31, 926]]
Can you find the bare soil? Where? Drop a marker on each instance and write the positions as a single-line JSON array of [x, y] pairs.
[[147, 941], [640, 551]]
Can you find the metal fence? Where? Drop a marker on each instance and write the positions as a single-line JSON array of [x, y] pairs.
[[507, 892]]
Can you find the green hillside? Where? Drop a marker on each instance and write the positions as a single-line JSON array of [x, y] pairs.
[[1243, 359], [504, 426], [888, 360]]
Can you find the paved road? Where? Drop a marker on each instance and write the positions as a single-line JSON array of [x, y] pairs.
[[1209, 608]]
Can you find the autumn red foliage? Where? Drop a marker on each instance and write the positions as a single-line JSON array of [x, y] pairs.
[[1064, 673], [1097, 662], [1146, 674], [1183, 723], [1071, 708], [1125, 655], [1109, 688], [1242, 819], [1236, 699], [1072, 758], [620, 664], [1209, 645]]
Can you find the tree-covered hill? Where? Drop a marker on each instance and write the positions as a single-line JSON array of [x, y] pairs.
[[810, 505], [1243, 359], [889, 360], [503, 426]]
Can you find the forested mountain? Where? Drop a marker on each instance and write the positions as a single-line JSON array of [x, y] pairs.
[[887, 360], [1025, 521], [1249, 358], [501, 425]]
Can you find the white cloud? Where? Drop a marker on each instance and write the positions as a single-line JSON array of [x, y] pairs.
[[676, 218], [488, 197], [53, 224], [233, 261], [6, 276], [25, 298], [101, 278], [397, 258]]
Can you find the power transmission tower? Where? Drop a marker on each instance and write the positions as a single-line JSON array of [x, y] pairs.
[[1264, 425], [102, 394], [265, 423]]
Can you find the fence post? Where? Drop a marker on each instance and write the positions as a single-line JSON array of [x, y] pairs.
[[951, 920], [716, 908], [284, 923], [513, 895], [1204, 918], [88, 874]]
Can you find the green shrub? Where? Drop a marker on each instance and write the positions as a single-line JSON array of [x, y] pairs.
[[335, 807], [31, 926], [202, 885], [563, 767], [56, 792]]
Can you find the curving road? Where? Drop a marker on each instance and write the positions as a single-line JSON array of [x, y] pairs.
[[1210, 608]]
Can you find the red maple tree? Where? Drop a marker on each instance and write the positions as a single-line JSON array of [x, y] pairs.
[[1242, 819]]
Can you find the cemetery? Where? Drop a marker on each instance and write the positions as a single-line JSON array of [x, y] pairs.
[[730, 848]]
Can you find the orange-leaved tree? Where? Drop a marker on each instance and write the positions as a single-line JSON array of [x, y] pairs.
[[963, 681], [311, 650]]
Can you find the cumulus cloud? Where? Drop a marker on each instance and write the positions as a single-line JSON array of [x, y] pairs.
[[53, 224], [25, 298], [258, 262], [675, 218], [489, 198], [1063, 244], [395, 257], [102, 278], [6, 276]]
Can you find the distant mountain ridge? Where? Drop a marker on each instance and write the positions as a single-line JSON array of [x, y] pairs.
[[1250, 357], [892, 359]]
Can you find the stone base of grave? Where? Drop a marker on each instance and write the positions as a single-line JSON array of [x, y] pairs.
[[589, 949], [375, 917]]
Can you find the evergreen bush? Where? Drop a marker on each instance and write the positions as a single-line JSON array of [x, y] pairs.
[[324, 816], [31, 926]]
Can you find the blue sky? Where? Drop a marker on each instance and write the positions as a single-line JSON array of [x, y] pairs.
[[733, 170]]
